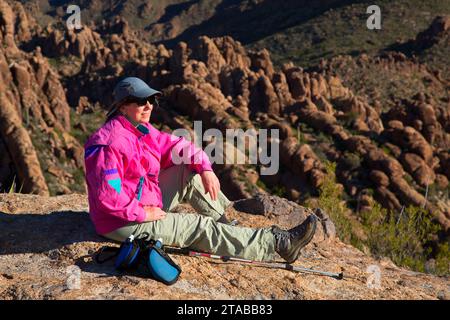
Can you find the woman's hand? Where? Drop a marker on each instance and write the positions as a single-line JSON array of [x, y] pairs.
[[210, 183], [154, 213]]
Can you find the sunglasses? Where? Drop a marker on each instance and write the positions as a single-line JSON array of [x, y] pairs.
[[143, 101]]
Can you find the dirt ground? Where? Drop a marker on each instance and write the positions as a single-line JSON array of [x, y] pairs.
[[47, 243]]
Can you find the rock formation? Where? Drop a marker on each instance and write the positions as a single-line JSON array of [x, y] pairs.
[[52, 78]]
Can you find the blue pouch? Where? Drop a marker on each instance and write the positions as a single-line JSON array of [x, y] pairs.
[[160, 265], [134, 251], [127, 257]]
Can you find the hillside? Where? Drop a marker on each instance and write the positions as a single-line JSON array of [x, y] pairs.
[[343, 31], [298, 31]]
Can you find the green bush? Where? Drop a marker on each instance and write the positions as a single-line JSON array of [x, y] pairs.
[[352, 160], [278, 190], [262, 185], [443, 260], [387, 150], [330, 200], [405, 237], [13, 187]]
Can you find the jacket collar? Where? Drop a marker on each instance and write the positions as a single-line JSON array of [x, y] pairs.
[[133, 126]]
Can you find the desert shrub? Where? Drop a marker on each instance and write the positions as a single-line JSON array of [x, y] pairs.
[[330, 200], [442, 265], [262, 185], [13, 187], [279, 190], [404, 237], [351, 161]]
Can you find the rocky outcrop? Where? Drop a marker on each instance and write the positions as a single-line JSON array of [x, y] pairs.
[[35, 115], [287, 211], [7, 33], [20, 149], [302, 161], [397, 150], [426, 118], [439, 28], [63, 246], [418, 168]]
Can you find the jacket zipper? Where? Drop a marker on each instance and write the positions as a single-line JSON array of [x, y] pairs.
[[139, 192], [141, 179]]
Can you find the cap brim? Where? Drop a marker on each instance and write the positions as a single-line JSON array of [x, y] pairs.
[[145, 93]]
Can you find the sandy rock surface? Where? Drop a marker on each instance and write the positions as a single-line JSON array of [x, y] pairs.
[[45, 242]]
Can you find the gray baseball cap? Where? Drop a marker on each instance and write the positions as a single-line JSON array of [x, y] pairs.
[[130, 87]]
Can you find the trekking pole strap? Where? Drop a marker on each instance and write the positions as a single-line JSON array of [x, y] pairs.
[[102, 250]]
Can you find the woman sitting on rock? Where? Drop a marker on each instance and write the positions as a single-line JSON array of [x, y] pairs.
[[133, 187]]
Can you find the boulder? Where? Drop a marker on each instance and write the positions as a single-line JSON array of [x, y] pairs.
[[417, 167], [387, 199], [261, 60], [379, 178], [20, 146]]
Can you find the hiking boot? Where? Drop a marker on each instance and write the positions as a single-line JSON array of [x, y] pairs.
[[289, 242]]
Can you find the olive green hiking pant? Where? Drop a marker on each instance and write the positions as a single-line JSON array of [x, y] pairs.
[[199, 231]]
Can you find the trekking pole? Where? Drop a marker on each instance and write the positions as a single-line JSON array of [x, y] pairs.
[[276, 265]]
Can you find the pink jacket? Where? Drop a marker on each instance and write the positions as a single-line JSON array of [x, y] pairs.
[[122, 169]]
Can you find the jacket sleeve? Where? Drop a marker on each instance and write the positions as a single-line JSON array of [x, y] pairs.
[[104, 176], [172, 145]]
